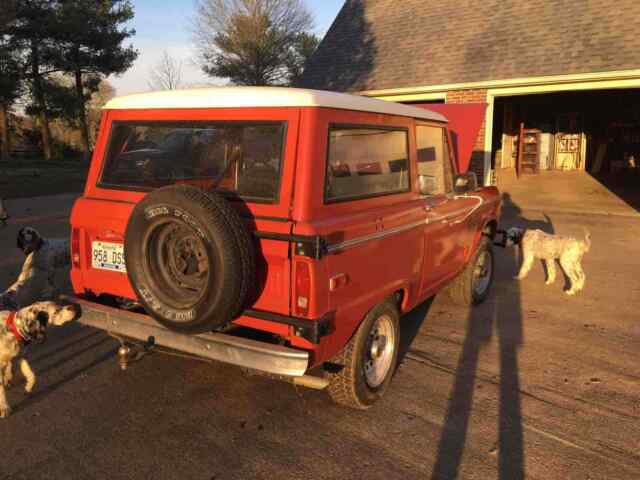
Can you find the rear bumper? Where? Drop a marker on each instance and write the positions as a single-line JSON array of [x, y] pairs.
[[261, 356]]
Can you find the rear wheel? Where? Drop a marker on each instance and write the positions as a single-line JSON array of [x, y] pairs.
[[367, 362], [473, 285]]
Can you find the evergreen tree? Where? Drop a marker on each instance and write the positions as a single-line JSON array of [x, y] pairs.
[[32, 28], [10, 88], [89, 36]]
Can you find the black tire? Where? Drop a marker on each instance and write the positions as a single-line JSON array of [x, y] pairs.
[[349, 383], [463, 289], [189, 258]]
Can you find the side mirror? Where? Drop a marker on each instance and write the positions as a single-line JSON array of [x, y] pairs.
[[428, 185], [465, 183]]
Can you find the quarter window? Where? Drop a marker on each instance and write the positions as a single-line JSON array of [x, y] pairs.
[[435, 172], [366, 162]]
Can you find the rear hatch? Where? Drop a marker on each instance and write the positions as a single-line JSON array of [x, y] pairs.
[[245, 161]]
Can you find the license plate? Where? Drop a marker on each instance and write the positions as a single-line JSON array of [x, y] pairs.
[[108, 256]]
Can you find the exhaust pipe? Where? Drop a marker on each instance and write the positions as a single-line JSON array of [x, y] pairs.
[[310, 381]]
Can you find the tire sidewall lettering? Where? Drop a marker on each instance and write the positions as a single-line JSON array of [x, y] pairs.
[[154, 212], [162, 309]]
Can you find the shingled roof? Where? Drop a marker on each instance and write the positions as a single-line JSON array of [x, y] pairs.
[[380, 44]]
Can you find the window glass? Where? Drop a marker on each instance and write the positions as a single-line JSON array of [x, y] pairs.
[[242, 159], [448, 166], [365, 162], [431, 160]]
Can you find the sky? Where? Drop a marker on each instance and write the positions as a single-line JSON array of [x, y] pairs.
[[165, 25]]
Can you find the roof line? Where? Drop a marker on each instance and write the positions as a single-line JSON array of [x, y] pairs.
[[268, 97], [512, 82]]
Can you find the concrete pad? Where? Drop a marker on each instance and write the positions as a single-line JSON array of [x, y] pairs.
[[568, 192], [532, 384]]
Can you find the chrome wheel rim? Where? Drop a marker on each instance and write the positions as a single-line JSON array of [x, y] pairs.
[[482, 273], [379, 351]]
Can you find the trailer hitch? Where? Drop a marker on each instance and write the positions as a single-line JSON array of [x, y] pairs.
[[130, 352]]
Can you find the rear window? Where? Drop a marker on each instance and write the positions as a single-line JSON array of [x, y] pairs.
[[242, 159], [366, 162]]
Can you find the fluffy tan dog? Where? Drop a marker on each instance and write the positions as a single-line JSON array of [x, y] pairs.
[[549, 248]]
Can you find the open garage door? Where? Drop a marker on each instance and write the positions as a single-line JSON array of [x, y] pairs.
[[571, 140]]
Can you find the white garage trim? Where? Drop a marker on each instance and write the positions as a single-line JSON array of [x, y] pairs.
[[417, 91], [538, 90]]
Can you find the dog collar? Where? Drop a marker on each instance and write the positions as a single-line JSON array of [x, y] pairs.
[[10, 322]]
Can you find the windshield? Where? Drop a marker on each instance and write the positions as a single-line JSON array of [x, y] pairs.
[[239, 158]]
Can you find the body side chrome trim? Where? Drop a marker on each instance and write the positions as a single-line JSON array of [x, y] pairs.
[[394, 231], [374, 236]]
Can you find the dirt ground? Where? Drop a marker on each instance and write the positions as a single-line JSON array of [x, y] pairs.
[[532, 384], [26, 177]]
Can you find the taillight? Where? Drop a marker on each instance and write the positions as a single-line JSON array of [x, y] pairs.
[[303, 288], [75, 247]]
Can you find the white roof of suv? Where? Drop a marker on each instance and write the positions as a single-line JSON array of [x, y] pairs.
[[238, 97]]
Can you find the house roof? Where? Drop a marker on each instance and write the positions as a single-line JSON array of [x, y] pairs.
[[383, 44], [248, 97]]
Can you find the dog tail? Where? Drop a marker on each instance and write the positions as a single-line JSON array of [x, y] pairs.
[[587, 240]]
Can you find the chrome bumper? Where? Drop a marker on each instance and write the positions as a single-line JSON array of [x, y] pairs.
[[261, 356]]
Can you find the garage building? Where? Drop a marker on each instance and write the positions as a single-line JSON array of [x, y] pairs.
[[561, 80]]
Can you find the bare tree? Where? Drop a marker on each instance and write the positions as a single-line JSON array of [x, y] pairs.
[[249, 41], [166, 74]]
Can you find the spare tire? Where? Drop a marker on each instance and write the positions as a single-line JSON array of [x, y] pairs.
[[189, 258]]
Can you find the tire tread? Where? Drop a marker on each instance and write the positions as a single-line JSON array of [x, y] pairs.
[[343, 384]]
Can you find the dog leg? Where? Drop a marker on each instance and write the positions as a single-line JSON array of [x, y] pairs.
[[582, 278], [25, 368], [527, 263], [569, 268], [5, 409], [6, 376], [551, 271]]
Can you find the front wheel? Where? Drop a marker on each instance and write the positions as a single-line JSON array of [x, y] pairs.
[[367, 362], [473, 285]]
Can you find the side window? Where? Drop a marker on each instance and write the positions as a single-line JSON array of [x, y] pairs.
[[366, 162], [434, 168], [448, 165]]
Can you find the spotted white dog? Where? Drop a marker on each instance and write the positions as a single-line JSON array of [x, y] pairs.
[[20, 328], [36, 282], [549, 248]]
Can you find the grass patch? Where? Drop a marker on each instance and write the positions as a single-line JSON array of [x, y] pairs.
[[21, 178]]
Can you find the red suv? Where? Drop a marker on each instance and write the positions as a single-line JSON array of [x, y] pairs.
[[313, 217]]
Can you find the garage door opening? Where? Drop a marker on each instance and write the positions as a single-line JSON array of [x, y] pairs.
[[569, 135]]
